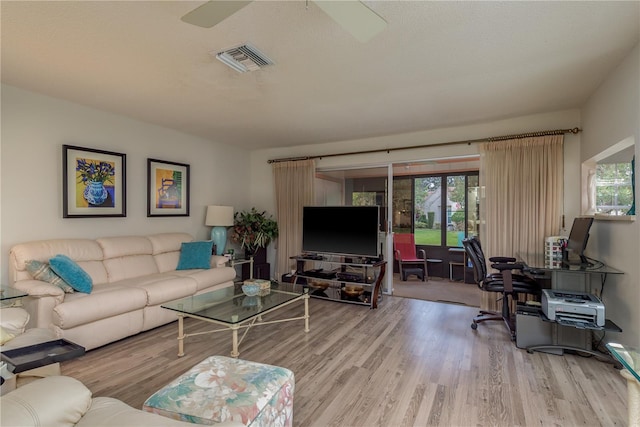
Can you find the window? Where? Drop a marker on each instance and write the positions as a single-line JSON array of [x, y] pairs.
[[614, 192], [440, 210], [607, 182]]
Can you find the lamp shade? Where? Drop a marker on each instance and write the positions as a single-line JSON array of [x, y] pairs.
[[219, 216]]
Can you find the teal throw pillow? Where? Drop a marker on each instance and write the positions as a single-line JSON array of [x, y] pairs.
[[195, 255], [71, 273], [41, 271]]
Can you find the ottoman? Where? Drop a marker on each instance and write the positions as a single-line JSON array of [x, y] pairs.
[[223, 389]]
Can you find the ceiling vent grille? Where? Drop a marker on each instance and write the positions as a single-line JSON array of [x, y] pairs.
[[244, 58]]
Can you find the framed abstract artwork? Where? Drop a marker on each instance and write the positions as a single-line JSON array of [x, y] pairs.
[[93, 183], [167, 188]]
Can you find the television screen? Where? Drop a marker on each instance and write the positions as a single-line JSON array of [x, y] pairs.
[[344, 230]]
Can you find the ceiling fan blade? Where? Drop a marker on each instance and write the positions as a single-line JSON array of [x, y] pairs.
[[355, 17], [213, 12]]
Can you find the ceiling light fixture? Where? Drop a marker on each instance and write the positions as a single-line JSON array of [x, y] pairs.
[[244, 58]]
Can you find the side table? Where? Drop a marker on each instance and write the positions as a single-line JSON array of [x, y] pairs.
[[455, 253], [10, 297], [233, 262], [630, 359]]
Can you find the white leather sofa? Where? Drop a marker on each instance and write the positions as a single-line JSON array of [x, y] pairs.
[[13, 321], [132, 276], [65, 401]]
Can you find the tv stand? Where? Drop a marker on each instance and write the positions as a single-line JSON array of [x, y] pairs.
[[353, 280]]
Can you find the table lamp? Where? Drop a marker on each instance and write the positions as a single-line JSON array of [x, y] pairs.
[[220, 217]]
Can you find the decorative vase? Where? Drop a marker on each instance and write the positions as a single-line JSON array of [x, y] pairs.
[[95, 193]]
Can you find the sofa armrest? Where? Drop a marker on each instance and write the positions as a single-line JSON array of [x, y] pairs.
[[107, 411], [219, 260], [14, 320], [38, 289], [52, 401]]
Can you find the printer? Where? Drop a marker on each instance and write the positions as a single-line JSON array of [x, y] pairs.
[[573, 308]]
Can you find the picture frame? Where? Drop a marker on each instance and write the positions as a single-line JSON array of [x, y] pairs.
[[168, 186], [93, 183]]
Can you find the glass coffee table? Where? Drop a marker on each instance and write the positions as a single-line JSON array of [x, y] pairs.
[[629, 357], [233, 310]]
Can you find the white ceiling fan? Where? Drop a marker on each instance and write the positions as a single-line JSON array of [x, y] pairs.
[[354, 16]]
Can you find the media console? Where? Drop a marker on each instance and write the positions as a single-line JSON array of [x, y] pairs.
[[340, 278]]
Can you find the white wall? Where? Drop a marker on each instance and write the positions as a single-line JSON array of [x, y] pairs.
[[34, 128], [610, 115]]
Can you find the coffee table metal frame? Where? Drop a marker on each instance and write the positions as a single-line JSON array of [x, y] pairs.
[[235, 323]]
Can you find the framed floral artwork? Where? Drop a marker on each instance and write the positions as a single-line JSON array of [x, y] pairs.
[[93, 183], [167, 188]]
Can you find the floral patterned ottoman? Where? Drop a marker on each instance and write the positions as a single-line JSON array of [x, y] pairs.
[[220, 389]]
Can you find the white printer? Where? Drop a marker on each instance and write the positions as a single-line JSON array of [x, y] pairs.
[[573, 308]]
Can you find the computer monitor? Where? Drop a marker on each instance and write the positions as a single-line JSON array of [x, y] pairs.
[[573, 253]]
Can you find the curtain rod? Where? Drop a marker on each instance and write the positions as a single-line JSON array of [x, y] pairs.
[[438, 144]]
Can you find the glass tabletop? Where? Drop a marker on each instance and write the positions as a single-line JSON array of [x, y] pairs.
[[536, 261], [628, 356], [230, 305], [11, 293]]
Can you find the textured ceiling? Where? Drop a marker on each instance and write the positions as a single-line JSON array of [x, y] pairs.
[[436, 64]]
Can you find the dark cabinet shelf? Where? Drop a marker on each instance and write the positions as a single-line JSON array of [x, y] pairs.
[[350, 282]]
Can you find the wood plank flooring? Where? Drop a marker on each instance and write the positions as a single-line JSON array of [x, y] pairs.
[[408, 363]]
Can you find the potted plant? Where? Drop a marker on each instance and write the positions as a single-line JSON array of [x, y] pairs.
[[253, 230]]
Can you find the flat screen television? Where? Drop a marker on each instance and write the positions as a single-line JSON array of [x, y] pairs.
[[342, 230], [578, 238]]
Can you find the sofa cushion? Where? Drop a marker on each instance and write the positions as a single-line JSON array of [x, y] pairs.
[[208, 278], [71, 273], [168, 242], [163, 287], [76, 249], [128, 267], [51, 401], [41, 271], [79, 250], [116, 247], [105, 301], [195, 255]]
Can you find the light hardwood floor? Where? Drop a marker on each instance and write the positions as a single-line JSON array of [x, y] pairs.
[[408, 363]]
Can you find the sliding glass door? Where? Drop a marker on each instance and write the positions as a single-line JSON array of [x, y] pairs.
[[440, 210]]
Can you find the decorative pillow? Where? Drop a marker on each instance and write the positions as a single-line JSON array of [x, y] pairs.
[[5, 336], [71, 273], [195, 255], [42, 271]]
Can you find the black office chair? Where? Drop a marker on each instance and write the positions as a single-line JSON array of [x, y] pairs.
[[505, 282]]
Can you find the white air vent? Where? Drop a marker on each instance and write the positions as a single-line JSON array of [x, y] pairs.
[[244, 58]]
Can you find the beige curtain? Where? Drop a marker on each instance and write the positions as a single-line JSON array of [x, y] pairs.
[[294, 189], [522, 181]]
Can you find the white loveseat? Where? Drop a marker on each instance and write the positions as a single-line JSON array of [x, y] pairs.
[[132, 276], [65, 401]]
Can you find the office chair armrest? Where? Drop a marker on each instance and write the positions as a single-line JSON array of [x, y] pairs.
[[422, 254], [508, 266], [501, 259]]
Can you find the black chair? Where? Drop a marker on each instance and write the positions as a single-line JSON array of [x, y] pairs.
[[505, 282]]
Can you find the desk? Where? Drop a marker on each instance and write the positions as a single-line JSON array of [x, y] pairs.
[[630, 359], [569, 278]]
